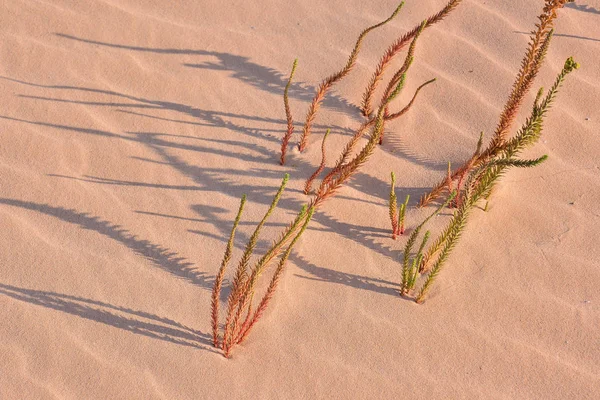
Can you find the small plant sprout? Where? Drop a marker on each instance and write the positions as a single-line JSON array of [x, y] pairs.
[[397, 215], [288, 114], [393, 206], [411, 265], [402, 215], [309, 182]]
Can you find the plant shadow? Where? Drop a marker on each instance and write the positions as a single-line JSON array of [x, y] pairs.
[[564, 35], [137, 322], [251, 144], [583, 7], [242, 69], [361, 282], [159, 256]]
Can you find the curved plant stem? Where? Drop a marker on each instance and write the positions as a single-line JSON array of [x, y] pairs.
[[219, 279], [331, 80], [394, 49], [274, 281], [393, 205], [539, 43], [309, 181], [288, 115]]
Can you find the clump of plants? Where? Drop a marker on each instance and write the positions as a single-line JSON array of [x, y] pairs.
[[241, 315], [477, 178], [530, 66], [397, 214], [393, 50], [324, 87], [464, 188]]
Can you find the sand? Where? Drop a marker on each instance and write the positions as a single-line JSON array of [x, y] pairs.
[[130, 129]]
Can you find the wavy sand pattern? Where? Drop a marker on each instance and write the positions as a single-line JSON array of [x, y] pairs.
[[130, 129]]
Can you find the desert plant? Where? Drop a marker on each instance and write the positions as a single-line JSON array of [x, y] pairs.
[[394, 49], [397, 215], [309, 181], [219, 279], [530, 66], [411, 266], [240, 316], [331, 80], [288, 115], [240, 287], [479, 175], [482, 180]]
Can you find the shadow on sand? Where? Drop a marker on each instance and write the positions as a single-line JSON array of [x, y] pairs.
[[249, 144], [584, 8], [138, 322], [159, 256]]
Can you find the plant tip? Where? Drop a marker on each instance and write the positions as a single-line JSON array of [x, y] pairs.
[[571, 64]]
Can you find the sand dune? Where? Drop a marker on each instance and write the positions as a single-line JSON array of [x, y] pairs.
[[130, 129]]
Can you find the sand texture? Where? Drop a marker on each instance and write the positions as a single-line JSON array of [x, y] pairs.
[[129, 130]]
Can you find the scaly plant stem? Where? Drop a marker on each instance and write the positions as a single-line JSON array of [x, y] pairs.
[[330, 81], [394, 81], [219, 279], [309, 181], [394, 49], [393, 205], [530, 66], [288, 115]]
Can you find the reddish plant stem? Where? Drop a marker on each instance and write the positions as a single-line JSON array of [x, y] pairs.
[[288, 115], [331, 80], [394, 49]]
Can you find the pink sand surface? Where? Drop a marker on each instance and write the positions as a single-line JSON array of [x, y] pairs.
[[130, 129]]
